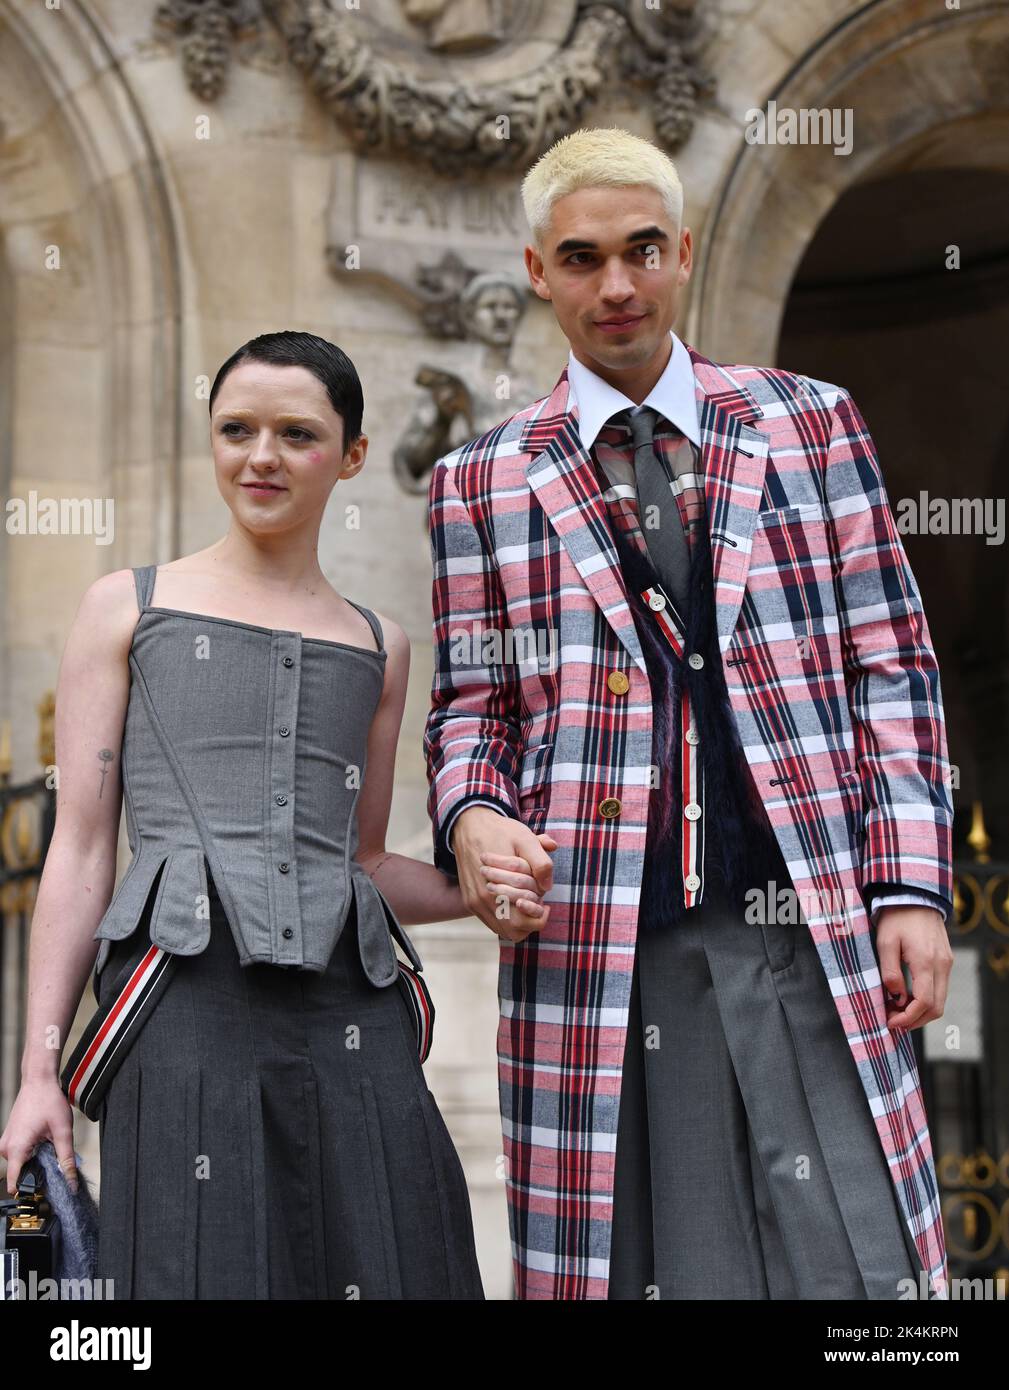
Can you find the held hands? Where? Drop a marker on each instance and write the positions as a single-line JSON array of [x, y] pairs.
[[917, 936], [504, 870]]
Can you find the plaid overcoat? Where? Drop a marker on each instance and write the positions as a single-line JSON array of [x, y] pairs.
[[834, 688]]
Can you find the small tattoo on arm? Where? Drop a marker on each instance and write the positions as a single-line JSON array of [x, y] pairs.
[[106, 756]]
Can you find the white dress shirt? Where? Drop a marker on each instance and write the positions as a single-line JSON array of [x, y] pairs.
[[673, 396]]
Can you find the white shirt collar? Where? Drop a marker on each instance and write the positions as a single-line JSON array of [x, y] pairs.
[[673, 396]]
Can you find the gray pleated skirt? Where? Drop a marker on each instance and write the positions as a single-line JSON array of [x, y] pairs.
[[748, 1165], [271, 1136]]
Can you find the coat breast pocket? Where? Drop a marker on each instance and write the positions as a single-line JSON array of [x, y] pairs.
[[790, 584], [805, 512], [533, 787]]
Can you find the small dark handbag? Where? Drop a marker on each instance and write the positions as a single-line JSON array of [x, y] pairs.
[[48, 1231], [31, 1237]]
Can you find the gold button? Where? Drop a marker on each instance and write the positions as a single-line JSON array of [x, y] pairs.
[[609, 807], [618, 682]]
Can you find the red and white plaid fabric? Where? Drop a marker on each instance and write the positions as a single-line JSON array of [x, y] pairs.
[[834, 688]]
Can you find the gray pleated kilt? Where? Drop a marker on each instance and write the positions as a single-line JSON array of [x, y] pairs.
[[271, 1136], [747, 1162]]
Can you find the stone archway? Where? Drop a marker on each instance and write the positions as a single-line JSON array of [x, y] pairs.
[[880, 305], [91, 346], [929, 92], [918, 78], [89, 355]]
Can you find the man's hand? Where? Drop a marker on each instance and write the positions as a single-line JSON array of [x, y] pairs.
[[503, 871], [916, 935]]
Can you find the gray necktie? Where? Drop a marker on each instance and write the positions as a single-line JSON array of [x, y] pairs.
[[666, 539]]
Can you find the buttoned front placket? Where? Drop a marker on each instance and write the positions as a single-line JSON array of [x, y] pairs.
[[691, 762], [620, 495], [286, 943]]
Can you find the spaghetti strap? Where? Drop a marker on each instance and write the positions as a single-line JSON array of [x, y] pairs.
[[373, 622], [143, 577]]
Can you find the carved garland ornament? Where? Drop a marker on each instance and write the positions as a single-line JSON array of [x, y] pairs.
[[455, 124]]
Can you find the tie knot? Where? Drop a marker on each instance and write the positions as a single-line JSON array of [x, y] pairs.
[[642, 425]]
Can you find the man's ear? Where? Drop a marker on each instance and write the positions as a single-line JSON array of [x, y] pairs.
[[686, 252], [534, 269]]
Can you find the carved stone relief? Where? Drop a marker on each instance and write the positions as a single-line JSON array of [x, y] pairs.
[[461, 84]]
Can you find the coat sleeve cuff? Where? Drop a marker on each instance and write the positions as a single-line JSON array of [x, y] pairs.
[[444, 859], [898, 895]]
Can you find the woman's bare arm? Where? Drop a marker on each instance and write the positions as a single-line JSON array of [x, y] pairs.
[[80, 868], [416, 891]]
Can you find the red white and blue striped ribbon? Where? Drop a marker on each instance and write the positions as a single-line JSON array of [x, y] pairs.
[[691, 767]]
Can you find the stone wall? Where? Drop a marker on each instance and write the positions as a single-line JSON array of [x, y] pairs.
[[186, 224]]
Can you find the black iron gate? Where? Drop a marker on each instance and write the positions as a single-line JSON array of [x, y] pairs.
[[964, 1062]]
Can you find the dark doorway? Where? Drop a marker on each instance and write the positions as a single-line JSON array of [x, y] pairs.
[[877, 307]]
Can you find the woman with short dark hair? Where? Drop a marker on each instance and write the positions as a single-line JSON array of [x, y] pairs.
[[255, 1063]]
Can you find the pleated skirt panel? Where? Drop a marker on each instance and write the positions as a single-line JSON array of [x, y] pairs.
[[748, 1165], [271, 1135]]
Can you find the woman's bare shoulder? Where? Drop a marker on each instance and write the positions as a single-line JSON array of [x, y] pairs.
[[109, 610], [393, 636], [397, 646]]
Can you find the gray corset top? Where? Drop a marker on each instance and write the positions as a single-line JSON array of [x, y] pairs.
[[243, 757]]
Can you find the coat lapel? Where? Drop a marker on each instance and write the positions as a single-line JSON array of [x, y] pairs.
[[734, 456], [563, 477]]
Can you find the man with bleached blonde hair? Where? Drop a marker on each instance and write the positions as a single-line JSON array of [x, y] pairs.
[[723, 756]]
